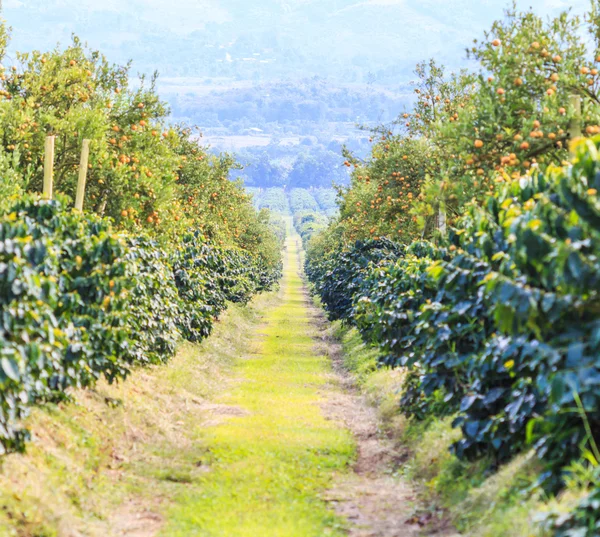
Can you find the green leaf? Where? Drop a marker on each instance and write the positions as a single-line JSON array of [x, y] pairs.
[[10, 368]]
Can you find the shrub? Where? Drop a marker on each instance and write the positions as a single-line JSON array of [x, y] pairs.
[[80, 301]]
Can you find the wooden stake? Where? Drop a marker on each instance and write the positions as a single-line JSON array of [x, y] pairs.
[[83, 168], [442, 220], [48, 167], [575, 126]]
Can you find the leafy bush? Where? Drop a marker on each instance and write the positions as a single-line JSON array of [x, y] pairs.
[[80, 301], [500, 323], [498, 319], [338, 277]]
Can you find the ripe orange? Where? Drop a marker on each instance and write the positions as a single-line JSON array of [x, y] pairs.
[[496, 42], [478, 144], [500, 91]]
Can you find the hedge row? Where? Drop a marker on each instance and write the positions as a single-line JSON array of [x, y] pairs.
[[80, 301], [499, 324]]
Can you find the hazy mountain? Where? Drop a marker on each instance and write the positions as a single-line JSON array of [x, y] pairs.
[[281, 82], [263, 39]]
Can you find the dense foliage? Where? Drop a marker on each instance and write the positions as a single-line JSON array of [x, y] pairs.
[[496, 318], [499, 322], [81, 300], [144, 173], [470, 133], [165, 243]]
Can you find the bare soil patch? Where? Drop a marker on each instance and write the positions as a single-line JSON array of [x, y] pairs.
[[375, 499], [135, 520]]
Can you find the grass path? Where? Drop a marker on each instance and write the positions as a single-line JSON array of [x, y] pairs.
[[269, 461]]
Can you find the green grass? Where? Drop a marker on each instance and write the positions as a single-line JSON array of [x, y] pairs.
[[268, 467]]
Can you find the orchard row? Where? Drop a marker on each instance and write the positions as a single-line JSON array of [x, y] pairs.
[[496, 316], [164, 242]]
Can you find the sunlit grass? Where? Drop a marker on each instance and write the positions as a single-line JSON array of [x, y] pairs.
[[159, 448], [267, 468]]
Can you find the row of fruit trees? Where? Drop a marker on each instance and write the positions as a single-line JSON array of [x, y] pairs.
[[166, 240], [495, 317]]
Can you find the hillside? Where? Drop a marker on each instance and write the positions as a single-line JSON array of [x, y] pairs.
[[351, 40]]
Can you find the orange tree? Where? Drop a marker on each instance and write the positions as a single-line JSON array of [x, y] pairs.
[[385, 188], [468, 133], [522, 105], [144, 173], [76, 94], [214, 204]]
